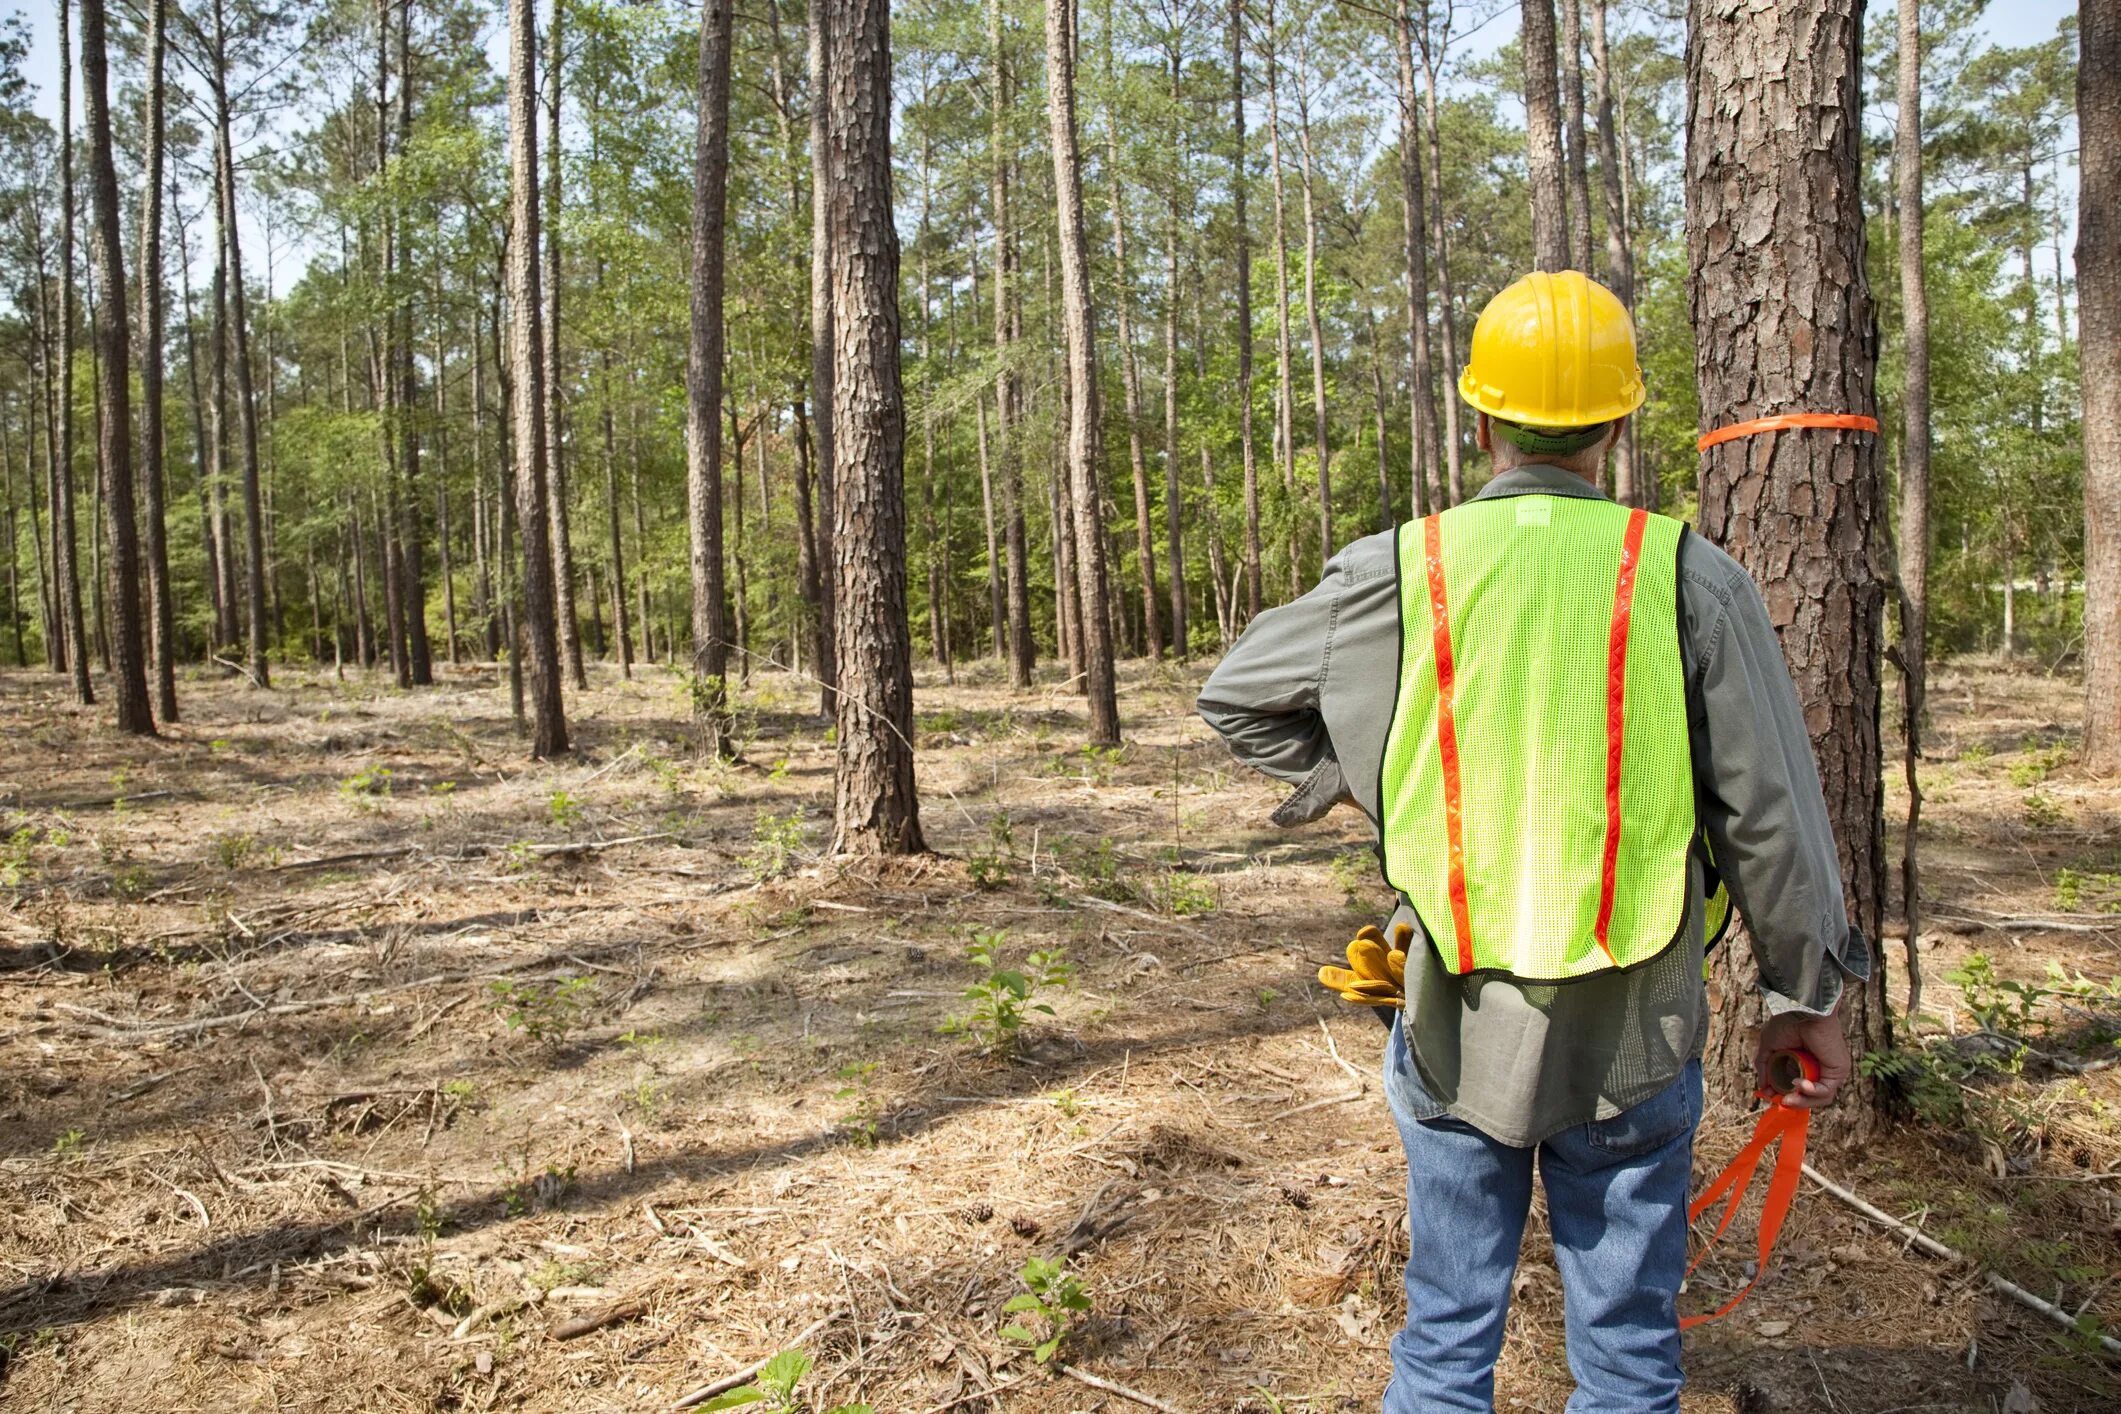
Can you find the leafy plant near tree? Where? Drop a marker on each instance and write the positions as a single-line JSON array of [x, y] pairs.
[[1005, 997], [1054, 1301]]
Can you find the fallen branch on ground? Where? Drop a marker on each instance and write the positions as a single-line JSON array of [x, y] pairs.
[[1114, 1387], [729, 1382], [2002, 1286]]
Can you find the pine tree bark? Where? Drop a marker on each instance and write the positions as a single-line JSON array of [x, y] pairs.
[[1079, 326], [162, 613], [1914, 474], [1783, 322], [411, 529], [1242, 234], [2099, 352], [239, 356], [1174, 497], [875, 810], [555, 391], [1619, 257], [1284, 375], [66, 541], [114, 424], [1451, 484], [1542, 132], [703, 384], [527, 393]]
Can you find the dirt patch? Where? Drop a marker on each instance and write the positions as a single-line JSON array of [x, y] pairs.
[[349, 1058]]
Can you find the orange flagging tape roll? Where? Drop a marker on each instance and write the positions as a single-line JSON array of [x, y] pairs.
[[1851, 422], [1782, 1129]]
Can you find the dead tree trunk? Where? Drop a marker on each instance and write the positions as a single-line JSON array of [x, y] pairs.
[[1079, 324], [1783, 323], [526, 389], [2099, 349], [703, 385], [876, 810], [1542, 132]]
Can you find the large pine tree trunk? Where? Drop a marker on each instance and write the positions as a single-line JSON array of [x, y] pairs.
[[1542, 131], [239, 357], [525, 390], [1783, 323], [114, 423], [1619, 259], [1023, 646], [66, 541], [1239, 179], [875, 809], [703, 384], [1079, 324], [162, 612], [2099, 349], [1914, 473]]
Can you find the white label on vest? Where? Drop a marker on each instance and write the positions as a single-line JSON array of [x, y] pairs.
[[1534, 510]]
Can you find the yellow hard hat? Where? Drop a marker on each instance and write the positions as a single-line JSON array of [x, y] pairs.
[[1554, 350]]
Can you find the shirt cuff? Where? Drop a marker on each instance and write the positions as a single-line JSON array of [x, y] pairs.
[[1316, 794], [1852, 963]]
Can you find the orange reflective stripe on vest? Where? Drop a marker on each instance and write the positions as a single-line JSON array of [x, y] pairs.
[[1616, 699], [1447, 739]]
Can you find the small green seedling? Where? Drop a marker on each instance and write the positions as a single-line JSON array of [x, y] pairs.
[[1003, 997], [774, 842], [566, 811], [1055, 1297], [542, 1011], [773, 1389]]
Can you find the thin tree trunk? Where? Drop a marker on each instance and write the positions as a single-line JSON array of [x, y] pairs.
[[1914, 474], [114, 425], [1619, 256], [1423, 454], [1079, 324], [14, 539], [875, 810], [1284, 384], [1452, 486], [162, 613], [1542, 128], [1572, 119], [1174, 498], [411, 533], [555, 392], [1773, 126], [526, 349], [937, 643], [1238, 181], [703, 386], [1023, 645], [1311, 319], [1131, 387], [822, 394], [997, 600], [2099, 349], [239, 355], [65, 537]]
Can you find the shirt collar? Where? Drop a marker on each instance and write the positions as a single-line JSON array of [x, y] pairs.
[[1539, 479]]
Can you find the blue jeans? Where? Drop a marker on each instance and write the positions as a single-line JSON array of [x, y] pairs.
[[1616, 1201]]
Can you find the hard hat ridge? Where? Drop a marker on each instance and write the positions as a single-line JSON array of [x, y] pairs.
[[1554, 351]]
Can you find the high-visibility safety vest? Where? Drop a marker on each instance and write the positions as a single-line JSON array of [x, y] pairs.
[[1537, 792]]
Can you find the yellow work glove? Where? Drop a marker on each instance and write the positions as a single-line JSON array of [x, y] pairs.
[[1376, 974]]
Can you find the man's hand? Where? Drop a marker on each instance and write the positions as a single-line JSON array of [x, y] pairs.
[[1822, 1036]]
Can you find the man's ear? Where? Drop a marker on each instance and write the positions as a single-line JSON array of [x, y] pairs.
[[1482, 437], [1612, 437]]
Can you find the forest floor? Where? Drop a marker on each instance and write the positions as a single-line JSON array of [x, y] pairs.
[[346, 1057]]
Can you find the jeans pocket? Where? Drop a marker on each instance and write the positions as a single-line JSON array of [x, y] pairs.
[[1647, 1127]]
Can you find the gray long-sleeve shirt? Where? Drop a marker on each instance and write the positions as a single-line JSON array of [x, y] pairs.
[[1307, 696]]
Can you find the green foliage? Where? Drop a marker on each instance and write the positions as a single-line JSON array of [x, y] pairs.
[[541, 1011], [565, 810], [1054, 1299], [1355, 872], [2038, 763], [774, 1390], [775, 839], [233, 850], [67, 1144], [2097, 890], [989, 868], [1187, 895], [366, 788], [1003, 998], [19, 852], [858, 1125]]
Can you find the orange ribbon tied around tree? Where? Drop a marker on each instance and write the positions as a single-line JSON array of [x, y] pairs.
[[1780, 1125], [1784, 422]]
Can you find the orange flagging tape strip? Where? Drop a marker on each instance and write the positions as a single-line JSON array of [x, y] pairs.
[[1852, 422], [1782, 1129]]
